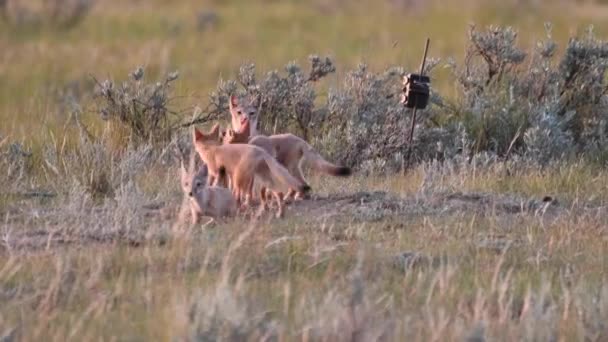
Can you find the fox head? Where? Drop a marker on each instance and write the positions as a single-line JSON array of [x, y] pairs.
[[233, 137], [193, 180], [203, 140], [242, 112]]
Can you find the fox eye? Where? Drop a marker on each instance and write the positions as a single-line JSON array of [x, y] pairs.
[[239, 112], [251, 113]]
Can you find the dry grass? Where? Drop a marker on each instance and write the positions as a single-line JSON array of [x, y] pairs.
[[458, 251], [444, 255]]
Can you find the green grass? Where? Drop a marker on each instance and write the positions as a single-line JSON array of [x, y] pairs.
[[116, 37]]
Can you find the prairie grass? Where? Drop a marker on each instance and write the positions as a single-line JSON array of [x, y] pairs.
[[452, 250], [437, 254], [117, 36]]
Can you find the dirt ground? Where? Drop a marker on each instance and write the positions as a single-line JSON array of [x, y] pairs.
[[29, 227]]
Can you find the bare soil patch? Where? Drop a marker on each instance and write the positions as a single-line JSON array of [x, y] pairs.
[[29, 228]]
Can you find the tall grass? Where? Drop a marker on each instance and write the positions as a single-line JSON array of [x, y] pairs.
[[432, 263], [450, 251], [469, 247]]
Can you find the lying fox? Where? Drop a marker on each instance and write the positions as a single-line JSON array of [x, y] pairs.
[[204, 200], [242, 163], [289, 150]]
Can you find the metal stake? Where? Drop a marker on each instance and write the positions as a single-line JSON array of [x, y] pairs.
[[411, 138]]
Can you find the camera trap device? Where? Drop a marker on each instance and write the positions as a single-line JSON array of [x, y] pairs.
[[416, 91]]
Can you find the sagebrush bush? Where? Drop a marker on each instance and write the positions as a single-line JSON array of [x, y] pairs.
[[547, 139], [143, 108], [360, 122], [510, 102], [286, 100], [527, 102], [365, 122]]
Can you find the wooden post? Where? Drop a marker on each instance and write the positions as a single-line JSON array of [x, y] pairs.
[[411, 137]]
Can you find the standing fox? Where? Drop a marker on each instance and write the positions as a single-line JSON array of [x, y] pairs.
[[289, 150], [242, 163], [242, 113], [201, 199]]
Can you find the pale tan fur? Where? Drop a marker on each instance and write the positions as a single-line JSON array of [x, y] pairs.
[[290, 151], [243, 111], [242, 163], [201, 199]]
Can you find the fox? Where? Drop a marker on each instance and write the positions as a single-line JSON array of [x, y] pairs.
[[290, 151], [202, 199], [241, 163], [242, 112]]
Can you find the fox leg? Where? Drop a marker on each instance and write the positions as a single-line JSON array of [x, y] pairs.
[[290, 194], [262, 208], [263, 198], [249, 193], [211, 180], [237, 196], [279, 200], [269, 194], [195, 217], [296, 172], [265, 194], [240, 185]]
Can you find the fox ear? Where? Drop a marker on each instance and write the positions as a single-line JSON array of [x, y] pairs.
[[197, 135], [233, 101]]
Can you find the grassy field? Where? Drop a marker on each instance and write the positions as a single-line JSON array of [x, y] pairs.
[[447, 252], [38, 67]]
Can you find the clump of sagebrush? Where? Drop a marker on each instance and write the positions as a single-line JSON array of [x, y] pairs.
[[365, 122], [60, 14], [143, 108], [488, 109], [359, 124], [511, 102], [515, 101], [15, 163], [368, 127], [286, 100]]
